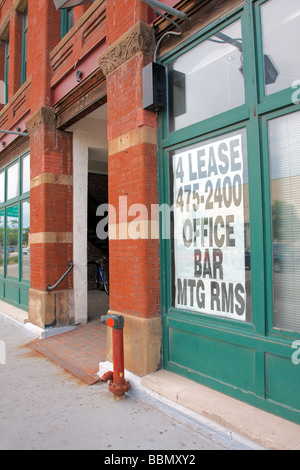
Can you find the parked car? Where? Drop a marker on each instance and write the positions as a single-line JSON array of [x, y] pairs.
[[248, 259], [283, 257]]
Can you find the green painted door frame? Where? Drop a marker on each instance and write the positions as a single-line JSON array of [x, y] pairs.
[[248, 361], [14, 284]]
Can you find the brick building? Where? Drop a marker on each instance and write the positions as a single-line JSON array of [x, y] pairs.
[[192, 184]]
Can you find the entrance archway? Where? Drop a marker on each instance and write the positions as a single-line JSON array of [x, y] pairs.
[[90, 189]]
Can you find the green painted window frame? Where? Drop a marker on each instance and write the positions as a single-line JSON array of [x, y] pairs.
[[260, 335], [210, 128], [16, 201], [67, 21], [24, 47]]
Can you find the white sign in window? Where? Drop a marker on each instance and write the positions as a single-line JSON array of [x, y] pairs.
[[211, 228]]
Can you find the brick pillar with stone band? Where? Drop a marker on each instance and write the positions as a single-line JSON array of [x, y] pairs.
[[51, 230], [132, 170]]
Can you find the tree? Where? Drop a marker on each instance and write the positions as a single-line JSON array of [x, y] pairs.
[[285, 221]]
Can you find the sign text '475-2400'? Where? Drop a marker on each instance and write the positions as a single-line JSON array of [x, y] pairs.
[[209, 225]]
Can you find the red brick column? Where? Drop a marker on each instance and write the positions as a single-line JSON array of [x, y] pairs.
[[80, 10], [43, 36], [15, 52], [51, 224], [2, 72], [132, 170]]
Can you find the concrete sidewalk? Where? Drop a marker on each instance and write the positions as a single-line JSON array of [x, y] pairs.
[[266, 430], [221, 418], [44, 407]]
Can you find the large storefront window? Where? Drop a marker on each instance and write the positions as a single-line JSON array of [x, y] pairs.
[[26, 174], [12, 189], [25, 240], [1, 244], [229, 174], [1, 187], [2, 196], [14, 232], [12, 241], [284, 142], [211, 227], [280, 26], [208, 80]]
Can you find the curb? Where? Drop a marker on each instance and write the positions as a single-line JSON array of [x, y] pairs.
[[33, 330], [223, 436]]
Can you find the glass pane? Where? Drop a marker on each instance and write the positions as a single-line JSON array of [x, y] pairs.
[[284, 148], [70, 18], [26, 174], [210, 228], [24, 62], [2, 187], [281, 39], [13, 241], [25, 21], [207, 80], [13, 181], [25, 240], [1, 242]]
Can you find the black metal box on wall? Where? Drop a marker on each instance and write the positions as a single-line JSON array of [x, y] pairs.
[[154, 87]]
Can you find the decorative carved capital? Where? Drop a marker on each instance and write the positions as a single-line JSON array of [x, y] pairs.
[[43, 117], [140, 38]]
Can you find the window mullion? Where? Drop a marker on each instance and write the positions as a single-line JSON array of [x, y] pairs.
[[255, 174]]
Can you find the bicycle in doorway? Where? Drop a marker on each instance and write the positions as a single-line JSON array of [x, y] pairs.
[[100, 274]]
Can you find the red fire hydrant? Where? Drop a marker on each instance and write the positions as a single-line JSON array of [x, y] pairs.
[[117, 383]]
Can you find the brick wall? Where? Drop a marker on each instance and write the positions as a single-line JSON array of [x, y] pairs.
[[132, 168], [51, 201], [15, 45], [134, 264], [43, 35], [121, 16], [76, 48]]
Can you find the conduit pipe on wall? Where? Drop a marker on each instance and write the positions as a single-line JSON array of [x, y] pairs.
[[156, 6], [162, 6], [24, 134]]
